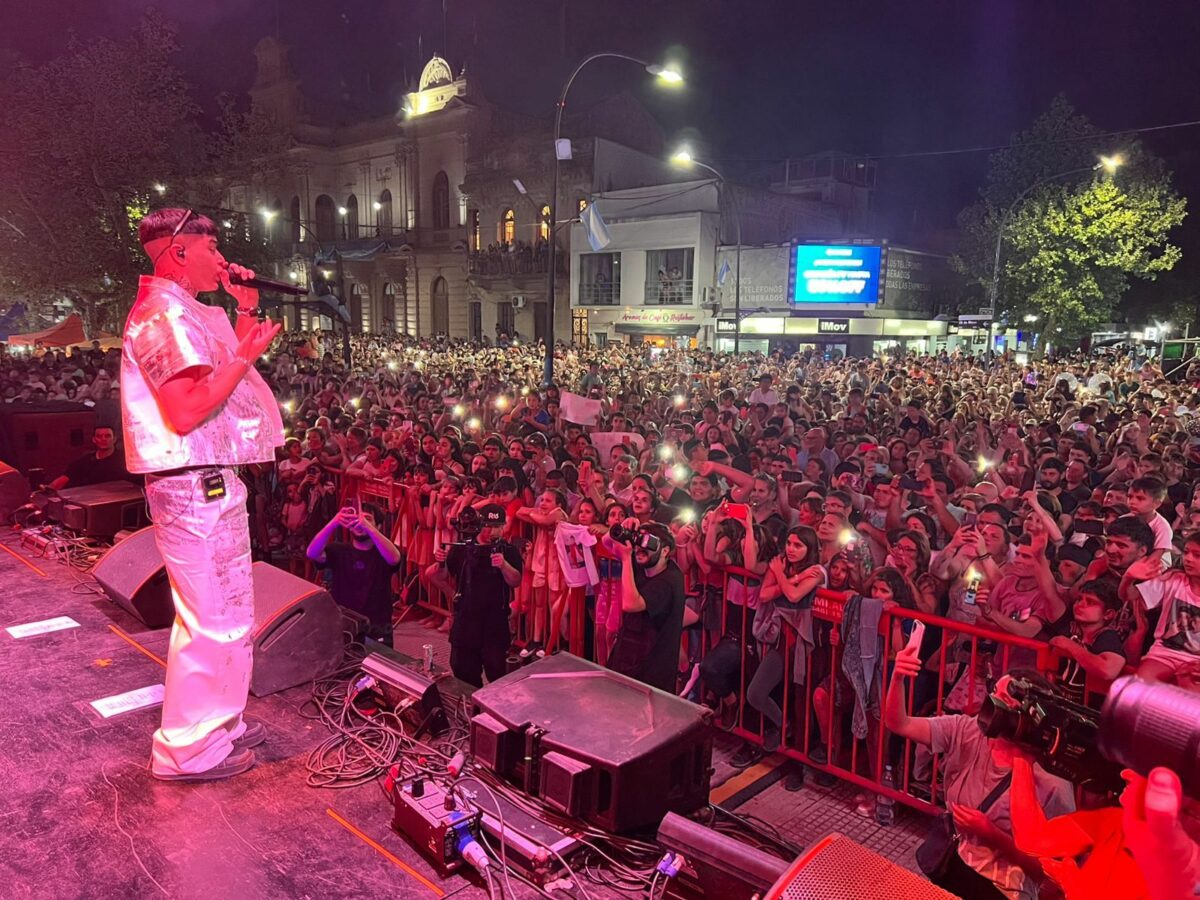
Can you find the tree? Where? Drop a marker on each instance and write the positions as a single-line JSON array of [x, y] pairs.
[[1073, 235], [88, 135], [94, 139]]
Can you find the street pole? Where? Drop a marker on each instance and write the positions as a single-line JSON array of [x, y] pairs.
[[551, 251], [993, 293]]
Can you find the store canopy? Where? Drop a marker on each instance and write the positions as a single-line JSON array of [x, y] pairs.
[[624, 328], [67, 332]]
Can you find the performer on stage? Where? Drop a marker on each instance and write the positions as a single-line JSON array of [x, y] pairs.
[[194, 410]]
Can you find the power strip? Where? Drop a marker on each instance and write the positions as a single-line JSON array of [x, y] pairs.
[[531, 844]]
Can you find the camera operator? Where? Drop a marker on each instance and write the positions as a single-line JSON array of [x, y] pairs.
[[652, 603], [362, 569], [978, 769], [480, 572]]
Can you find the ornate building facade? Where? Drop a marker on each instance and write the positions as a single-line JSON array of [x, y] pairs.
[[435, 220]]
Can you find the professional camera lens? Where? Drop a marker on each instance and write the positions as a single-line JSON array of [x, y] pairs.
[[621, 534], [1146, 724]]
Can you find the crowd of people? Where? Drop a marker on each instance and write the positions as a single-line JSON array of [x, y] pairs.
[[1054, 501], [511, 258]]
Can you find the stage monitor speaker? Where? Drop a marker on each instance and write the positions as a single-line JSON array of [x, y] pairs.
[[133, 576], [100, 510], [723, 866], [836, 868], [297, 631], [14, 492], [48, 436], [297, 626], [593, 743]]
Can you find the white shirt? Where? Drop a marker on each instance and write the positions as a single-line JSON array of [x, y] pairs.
[[769, 396], [169, 332], [1163, 535], [1180, 609]]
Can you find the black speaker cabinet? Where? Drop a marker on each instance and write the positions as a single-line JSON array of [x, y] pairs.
[[297, 626], [14, 491], [133, 576], [48, 436], [297, 631], [603, 747]]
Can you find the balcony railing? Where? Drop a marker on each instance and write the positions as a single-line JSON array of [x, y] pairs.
[[606, 294], [525, 260], [672, 292]]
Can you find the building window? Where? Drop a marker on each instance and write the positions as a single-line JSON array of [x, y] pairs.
[[475, 325], [507, 232], [580, 205], [326, 219], [599, 279], [579, 327], [544, 222], [383, 214], [669, 277], [440, 301], [294, 220], [506, 318], [351, 218], [476, 240], [441, 201]]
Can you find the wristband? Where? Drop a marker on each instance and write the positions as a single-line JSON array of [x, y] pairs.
[[256, 311]]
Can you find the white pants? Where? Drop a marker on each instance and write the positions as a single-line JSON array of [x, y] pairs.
[[206, 547]]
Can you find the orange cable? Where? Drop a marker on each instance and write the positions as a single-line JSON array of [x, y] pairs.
[[129, 639], [18, 556], [387, 854]]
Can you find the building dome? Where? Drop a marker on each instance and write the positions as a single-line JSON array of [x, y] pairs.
[[436, 73]]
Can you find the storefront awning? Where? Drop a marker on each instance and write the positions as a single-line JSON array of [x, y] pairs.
[[622, 328]]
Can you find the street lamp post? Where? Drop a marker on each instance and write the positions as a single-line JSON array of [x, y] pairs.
[[667, 75], [1108, 163], [685, 158]]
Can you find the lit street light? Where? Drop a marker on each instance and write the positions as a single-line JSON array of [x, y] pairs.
[[683, 157], [160, 187], [667, 75]]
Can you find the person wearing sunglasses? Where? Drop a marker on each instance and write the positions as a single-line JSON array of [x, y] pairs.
[[194, 411]]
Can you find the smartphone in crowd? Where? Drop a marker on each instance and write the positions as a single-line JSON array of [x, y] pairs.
[[910, 484], [973, 583], [739, 511], [791, 476], [1089, 526]]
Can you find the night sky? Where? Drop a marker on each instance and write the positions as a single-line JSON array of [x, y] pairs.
[[766, 79]]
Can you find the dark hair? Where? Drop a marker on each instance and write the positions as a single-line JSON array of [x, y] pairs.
[[161, 223], [504, 484], [1151, 486], [1133, 528], [1105, 590], [901, 592], [812, 548]]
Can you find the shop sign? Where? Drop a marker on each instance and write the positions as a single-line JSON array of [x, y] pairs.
[[833, 326], [635, 316], [726, 326]]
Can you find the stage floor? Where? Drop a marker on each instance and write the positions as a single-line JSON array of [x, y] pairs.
[[83, 818]]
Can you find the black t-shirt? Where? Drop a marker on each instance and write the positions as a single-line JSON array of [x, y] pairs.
[[920, 424], [90, 470], [481, 605], [1072, 677], [647, 646], [362, 581]]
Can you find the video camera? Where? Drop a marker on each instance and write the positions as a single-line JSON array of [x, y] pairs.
[[1142, 725], [636, 538], [470, 521]]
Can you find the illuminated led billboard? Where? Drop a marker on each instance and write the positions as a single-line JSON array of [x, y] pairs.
[[827, 274]]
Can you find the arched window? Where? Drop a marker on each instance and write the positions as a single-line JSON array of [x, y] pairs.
[[352, 217], [544, 222], [441, 201], [277, 229], [476, 238], [293, 223], [383, 214], [439, 296], [326, 219], [508, 226]]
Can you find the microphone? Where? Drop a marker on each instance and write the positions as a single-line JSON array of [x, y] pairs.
[[269, 284]]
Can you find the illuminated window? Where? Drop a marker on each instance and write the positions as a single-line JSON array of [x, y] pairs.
[[508, 227], [544, 223], [580, 205], [476, 240]]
